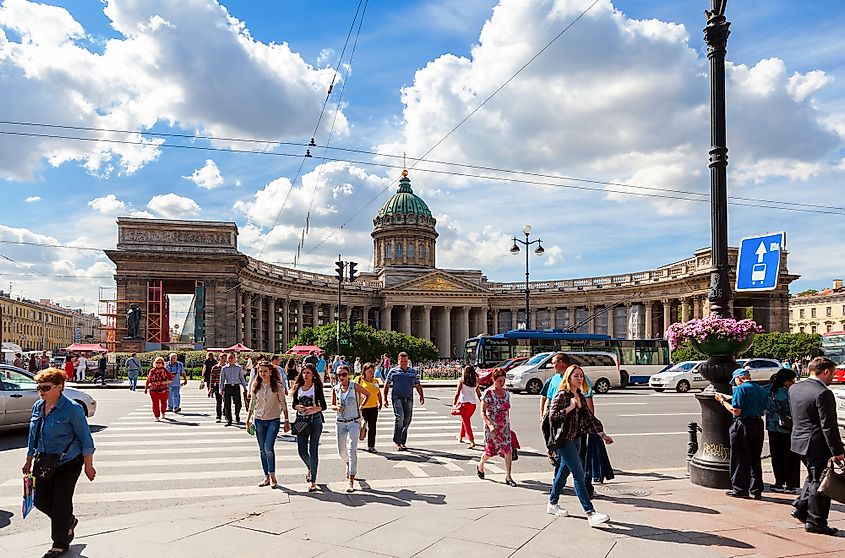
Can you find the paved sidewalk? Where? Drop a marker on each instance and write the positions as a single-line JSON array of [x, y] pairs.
[[651, 516]]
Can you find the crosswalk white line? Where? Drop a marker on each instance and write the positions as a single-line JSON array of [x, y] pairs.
[[661, 415], [188, 423], [193, 431]]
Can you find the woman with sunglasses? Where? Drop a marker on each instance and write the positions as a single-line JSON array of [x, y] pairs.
[[58, 426], [267, 405], [346, 402], [158, 386], [309, 403], [372, 406]]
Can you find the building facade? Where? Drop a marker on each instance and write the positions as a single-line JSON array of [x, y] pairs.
[[822, 312], [45, 325], [240, 299]]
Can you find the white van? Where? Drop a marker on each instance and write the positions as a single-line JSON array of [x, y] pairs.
[[600, 367]]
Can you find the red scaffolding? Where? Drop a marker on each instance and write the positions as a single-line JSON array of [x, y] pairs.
[[157, 330]]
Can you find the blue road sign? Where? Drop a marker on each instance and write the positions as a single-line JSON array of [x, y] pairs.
[[759, 262]]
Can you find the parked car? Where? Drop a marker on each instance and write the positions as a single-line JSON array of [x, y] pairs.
[[839, 394], [840, 375], [681, 377], [58, 361], [18, 395], [761, 368], [600, 367], [485, 375]]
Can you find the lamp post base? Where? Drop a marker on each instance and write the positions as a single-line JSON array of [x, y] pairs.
[[710, 466]]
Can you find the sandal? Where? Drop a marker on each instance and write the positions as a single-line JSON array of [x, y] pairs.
[[312, 488], [480, 473], [510, 482]]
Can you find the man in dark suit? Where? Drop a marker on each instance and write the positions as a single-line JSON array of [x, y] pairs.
[[815, 437]]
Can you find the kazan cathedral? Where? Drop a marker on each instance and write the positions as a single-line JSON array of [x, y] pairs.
[[237, 298]]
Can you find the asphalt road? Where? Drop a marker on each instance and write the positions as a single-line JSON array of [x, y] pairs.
[[142, 464]]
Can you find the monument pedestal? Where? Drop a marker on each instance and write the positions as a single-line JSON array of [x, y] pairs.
[[127, 345]]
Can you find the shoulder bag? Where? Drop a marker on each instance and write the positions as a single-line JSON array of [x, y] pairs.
[[362, 433], [302, 425], [832, 482], [45, 464]]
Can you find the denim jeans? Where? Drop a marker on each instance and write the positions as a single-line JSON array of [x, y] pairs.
[[347, 444], [266, 432], [308, 446], [569, 460], [133, 380], [174, 397], [403, 410]]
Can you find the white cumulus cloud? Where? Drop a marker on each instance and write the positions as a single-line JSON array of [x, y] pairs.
[[207, 177], [173, 206], [33, 199], [107, 204]]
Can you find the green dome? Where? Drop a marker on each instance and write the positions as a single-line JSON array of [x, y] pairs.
[[404, 201]]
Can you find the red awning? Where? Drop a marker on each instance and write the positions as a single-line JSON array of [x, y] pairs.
[[86, 348], [239, 347]]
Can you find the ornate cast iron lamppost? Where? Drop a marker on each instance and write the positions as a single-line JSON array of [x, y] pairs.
[[710, 466], [526, 230]]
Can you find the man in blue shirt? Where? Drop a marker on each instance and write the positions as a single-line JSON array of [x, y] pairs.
[[403, 379], [746, 434], [174, 393], [321, 368]]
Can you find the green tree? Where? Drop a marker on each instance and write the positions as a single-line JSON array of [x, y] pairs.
[[808, 292], [780, 346], [367, 342]]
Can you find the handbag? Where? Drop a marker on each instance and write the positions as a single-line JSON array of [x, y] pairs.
[[456, 409], [785, 423], [832, 482], [301, 426], [44, 465]]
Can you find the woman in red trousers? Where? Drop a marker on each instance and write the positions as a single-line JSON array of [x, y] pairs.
[[158, 382], [467, 396]]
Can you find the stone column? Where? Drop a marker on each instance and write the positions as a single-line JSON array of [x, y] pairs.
[[405, 319], [425, 323], [285, 325], [315, 316], [444, 332], [239, 319], [649, 319], [591, 324], [667, 316], [386, 313], [300, 316], [610, 320], [532, 321], [514, 313], [684, 310], [271, 325], [248, 319], [495, 329], [705, 307], [260, 331], [571, 316], [463, 326], [332, 314]]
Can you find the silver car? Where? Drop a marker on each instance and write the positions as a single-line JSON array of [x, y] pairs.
[[18, 395], [761, 369]]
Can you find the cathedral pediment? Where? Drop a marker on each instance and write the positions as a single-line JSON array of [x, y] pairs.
[[439, 282]]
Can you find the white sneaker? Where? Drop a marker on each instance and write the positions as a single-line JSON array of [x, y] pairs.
[[597, 518], [554, 509]]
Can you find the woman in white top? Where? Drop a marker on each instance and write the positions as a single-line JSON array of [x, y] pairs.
[[267, 405], [467, 395], [347, 398]]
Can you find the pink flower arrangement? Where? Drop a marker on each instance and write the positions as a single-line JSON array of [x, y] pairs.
[[711, 326]]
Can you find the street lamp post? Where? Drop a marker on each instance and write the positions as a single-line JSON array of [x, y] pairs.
[[526, 230], [710, 466]]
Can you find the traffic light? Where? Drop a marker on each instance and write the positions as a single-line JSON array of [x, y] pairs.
[[339, 270], [352, 271]]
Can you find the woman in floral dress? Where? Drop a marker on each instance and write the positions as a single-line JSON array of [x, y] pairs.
[[495, 410]]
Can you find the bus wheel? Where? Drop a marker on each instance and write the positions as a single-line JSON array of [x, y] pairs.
[[602, 385], [534, 386]]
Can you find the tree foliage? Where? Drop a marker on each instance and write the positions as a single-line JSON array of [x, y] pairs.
[[808, 292], [367, 342], [776, 345]]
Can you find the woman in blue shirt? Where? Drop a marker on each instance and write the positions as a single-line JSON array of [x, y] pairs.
[[59, 426]]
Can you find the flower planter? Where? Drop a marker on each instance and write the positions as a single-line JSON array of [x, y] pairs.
[[717, 345]]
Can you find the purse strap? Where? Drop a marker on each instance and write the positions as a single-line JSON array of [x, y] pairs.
[[40, 427]]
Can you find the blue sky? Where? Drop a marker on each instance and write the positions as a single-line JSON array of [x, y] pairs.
[[621, 97]]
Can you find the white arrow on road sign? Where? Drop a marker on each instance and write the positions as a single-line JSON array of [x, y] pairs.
[[414, 468], [761, 251], [448, 463]]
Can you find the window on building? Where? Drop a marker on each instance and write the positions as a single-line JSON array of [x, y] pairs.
[[812, 312], [829, 328], [790, 314], [814, 329], [398, 250], [801, 329], [411, 250], [828, 311], [801, 313], [388, 250]]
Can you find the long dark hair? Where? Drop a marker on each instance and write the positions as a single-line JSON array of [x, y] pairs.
[[274, 380], [300, 381], [291, 363], [470, 378], [781, 377]]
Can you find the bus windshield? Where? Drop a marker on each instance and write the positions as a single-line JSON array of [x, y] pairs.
[[833, 346]]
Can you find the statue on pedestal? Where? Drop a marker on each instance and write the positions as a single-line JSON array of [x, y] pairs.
[[133, 321]]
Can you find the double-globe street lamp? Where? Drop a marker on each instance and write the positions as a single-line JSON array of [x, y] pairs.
[[526, 230]]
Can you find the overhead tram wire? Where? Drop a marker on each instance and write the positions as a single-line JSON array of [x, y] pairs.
[[305, 228], [735, 200], [314, 134], [378, 154]]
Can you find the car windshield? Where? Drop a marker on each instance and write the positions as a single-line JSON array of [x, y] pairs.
[[536, 359], [682, 367], [742, 361]]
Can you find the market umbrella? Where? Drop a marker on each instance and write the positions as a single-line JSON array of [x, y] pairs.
[[238, 348]]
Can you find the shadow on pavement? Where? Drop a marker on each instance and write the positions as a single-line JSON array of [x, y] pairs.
[[367, 495], [15, 439], [649, 532], [5, 518], [659, 504], [655, 475]]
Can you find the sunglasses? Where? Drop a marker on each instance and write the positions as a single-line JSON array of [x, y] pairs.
[[342, 375], [45, 387]]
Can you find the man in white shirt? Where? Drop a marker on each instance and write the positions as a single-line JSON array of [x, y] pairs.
[[81, 368]]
